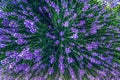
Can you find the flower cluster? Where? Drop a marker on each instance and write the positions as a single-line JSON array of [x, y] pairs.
[[112, 3], [59, 40]]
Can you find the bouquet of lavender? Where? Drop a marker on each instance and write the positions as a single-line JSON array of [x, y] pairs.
[[59, 40]]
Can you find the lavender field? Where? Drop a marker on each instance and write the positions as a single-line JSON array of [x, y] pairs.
[[59, 40]]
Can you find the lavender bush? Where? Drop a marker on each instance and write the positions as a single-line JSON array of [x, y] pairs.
[[59, 40]]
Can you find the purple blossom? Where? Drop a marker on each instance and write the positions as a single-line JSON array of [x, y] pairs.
[[80, 58], [12, 65], [71, 71], [57, 42], [82, 22], [20, 41], [118, 48], [52, 59], [26, 54], [92, 45], [81, 72], [61, 65], [31, 25], [36, 66], [66, 24], [51, 70], [70, 60], [5, 22], [28, 23], [74, 30], [18, 35], [95, 45], [67, 50], [21, 67], [50, 36], [36, 19], [74, 36], [2, 14], [89, 65], [66, 14], [37, 58], [2, 45], [93, 31], [37, 52], [90, 15], [61, 33], [86, 6], [57, 9], [94, 54], [89, 47]]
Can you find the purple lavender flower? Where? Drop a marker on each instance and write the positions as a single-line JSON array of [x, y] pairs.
[[67, 50], [50, 71], [70, 60], [66, 24], [82, 22], [118, 48], [29, 24], [74, 36], [61, 33], [86, 6]]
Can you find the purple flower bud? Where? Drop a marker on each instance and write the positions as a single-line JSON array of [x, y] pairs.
[[20, 41], [18, 35], [52, 59], [93, 31], [89, 47], [66, 14], [90, 15], [37, 52], [26, 54], [66, 24], [36, 19], [50, 71], [57, 42], [12, 65], [86, 6], [94, 54], [94, 45], [61, 65], [50, 36], [57, 9], [2, 45], [89, 65], [70, 60], [67, 50], [118, 48], [2, 14], [5, 22], [21, 67], [71, 71], [80, 58], [33, 30], [74, 36], [92, 60], [74, 30], [82, 22], [36, 66], [61, 33], [81, 72], [30, 24]]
